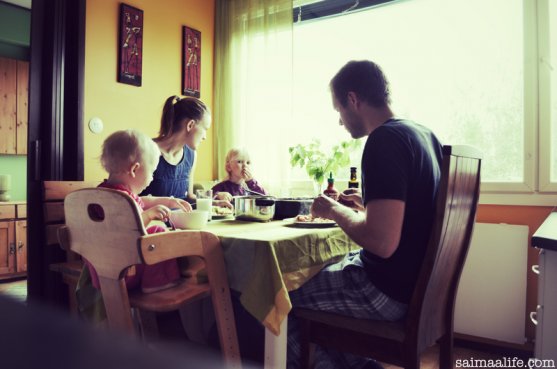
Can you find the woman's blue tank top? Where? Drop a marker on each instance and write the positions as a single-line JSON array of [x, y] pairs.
[[171, 180]]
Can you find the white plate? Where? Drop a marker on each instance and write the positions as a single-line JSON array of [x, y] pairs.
[[221, 216], [314, 224]]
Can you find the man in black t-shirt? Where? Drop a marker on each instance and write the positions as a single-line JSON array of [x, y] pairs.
[[400, 176]]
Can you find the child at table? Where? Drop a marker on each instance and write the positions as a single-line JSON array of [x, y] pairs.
[[237, 165], [130, 158]]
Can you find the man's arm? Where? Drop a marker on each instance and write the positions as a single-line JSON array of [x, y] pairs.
[[377, 229]]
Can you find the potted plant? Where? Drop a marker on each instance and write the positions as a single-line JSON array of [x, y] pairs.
[[319, 164]]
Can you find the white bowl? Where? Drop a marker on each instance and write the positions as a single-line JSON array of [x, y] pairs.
[[197, 219]]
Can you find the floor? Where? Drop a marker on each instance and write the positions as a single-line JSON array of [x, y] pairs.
[[18, 290], [15, 288]]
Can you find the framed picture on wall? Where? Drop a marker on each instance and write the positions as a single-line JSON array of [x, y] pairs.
[[130, 45], [191, 62]]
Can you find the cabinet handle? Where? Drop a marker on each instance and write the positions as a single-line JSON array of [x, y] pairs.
[[19, 246], [536, 269], [534, 317], [12, 248]]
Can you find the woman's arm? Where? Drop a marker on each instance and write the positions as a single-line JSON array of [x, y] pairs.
[[169, 202], [190, 195]]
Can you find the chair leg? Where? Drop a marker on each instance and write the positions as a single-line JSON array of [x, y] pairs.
[[305, 345], [446, 351], [148, 324], [411, 358]]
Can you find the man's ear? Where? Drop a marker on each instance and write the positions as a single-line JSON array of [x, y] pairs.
[[352, 99], [134, 168], [190, 124]]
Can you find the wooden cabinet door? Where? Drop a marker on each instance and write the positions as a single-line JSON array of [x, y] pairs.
[[8, 88], [22, 106], [21, 245], [7, 248]]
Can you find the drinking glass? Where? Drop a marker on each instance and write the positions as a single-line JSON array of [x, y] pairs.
[[205, 201]]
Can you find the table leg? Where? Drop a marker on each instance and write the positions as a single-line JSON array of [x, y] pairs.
[[275, 347]]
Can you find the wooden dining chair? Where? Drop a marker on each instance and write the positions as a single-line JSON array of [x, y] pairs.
[[429, 319], [105, 227]]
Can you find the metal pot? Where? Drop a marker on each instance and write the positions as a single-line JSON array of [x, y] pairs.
[[290, 207], [254, 208]]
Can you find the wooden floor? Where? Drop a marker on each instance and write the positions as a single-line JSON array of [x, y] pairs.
[[430, 357], [18, 290]]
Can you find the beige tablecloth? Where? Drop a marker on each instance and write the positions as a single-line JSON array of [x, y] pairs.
[[266, 260]]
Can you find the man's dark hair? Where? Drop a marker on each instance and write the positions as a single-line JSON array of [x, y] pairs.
[[365, 79]]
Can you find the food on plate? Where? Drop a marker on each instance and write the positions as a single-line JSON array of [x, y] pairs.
[[311, 219], [218, 210]]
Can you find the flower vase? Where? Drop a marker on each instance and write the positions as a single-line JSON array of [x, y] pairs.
[[317, 188]]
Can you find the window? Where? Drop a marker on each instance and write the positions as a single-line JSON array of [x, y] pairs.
[[547, 30], [456, 66]]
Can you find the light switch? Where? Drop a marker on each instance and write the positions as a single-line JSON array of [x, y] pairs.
[[96, 125]]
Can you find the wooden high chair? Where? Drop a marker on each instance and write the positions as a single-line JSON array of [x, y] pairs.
[[114, 239]]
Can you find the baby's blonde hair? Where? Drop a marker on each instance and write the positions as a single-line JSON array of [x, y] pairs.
[[124, 148], [233, 153]]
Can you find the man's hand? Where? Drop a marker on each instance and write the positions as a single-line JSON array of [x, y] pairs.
[[352, 198], [321, 207]]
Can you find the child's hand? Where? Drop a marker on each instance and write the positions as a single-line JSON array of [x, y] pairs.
[[223, 196], [157, 212], [246, 174], [174, 203], [223, 204]]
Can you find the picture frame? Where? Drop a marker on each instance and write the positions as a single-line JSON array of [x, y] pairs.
[[191, 62], [130, 45]]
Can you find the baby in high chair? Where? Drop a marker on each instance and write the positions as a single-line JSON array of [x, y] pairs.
[[130, 158], [240, 180]]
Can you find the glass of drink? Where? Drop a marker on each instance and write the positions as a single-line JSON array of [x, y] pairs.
[[205, 201]]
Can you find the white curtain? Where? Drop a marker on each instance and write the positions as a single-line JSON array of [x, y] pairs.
[[253, 75]]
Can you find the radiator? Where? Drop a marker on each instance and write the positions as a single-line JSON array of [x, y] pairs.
[[491, 298]]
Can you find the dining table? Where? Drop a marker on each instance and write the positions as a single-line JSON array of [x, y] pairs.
[[265, 260]]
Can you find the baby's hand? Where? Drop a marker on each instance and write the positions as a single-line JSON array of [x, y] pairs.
[[183, 205], [226, 196], [158, 212]]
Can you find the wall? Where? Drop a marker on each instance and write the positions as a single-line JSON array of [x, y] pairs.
[[123, 106], [15, 29]]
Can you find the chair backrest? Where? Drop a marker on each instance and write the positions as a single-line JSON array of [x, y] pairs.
[[104, 227], [431, 309], [54, 193]]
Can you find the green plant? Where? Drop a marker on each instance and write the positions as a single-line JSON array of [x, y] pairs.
[[317, 163]]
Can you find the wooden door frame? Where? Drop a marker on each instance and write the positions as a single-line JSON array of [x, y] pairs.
[[55, 142]]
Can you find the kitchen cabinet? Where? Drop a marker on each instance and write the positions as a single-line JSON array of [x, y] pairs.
[[13, 241], [545, 316], [14, 98]]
